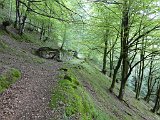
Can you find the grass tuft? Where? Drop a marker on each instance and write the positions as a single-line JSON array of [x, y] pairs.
[[8, 78]]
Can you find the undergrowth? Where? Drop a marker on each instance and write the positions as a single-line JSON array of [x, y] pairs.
[[21, 38], [3, 46], [9, 77]]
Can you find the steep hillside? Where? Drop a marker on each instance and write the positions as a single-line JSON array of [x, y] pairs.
[[46, 89], [92, 88]]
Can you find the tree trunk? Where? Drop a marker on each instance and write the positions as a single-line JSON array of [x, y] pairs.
[[115, 73], [105, 57], [124, 41], [140, 79], [124, 75], [157, 102], [64, 37], [42, 32], [141, 71], [136, 79], [22, 23], [17, 14], [149, 82], [147, 97], [111, 53], [10, 9]]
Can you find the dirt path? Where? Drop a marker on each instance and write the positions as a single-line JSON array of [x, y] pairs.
[[28, 98]]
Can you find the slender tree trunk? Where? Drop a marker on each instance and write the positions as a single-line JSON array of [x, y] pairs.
[[149, 82], [124, 40], [147, 97], [105, 57], [115, 73], [124, 75], [136, 79], [64, 37], [111, 62], [10, 9], [140, 78], [157, 102], [156, 106], [42, 31], [22, 24], [17, 14], [105, 51], [49, 25]]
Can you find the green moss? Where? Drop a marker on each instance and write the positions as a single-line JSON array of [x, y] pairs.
[[8, 78], [76, 101], [97, 86], [3, 46], [2, 32]]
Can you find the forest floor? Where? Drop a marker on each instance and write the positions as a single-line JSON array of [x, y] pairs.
[[30, 96]]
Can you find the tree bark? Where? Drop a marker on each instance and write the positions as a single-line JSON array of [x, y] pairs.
[[111, 53], [115, 73], [124, 41], [141, 72], [157, 102], [42, 32], [149, 82], [17, 14], [22, 23], [105, 57]]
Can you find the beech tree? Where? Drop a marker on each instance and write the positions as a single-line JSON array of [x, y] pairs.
[[121, 36], [128, 43]]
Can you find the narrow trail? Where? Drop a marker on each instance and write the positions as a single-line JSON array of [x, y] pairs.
[[28, 98]]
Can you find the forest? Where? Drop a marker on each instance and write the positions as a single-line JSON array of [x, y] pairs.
[[120, 38]]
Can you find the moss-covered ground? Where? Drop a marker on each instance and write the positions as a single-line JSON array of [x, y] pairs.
[[10, 76], [73, 98], [82, 94]]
